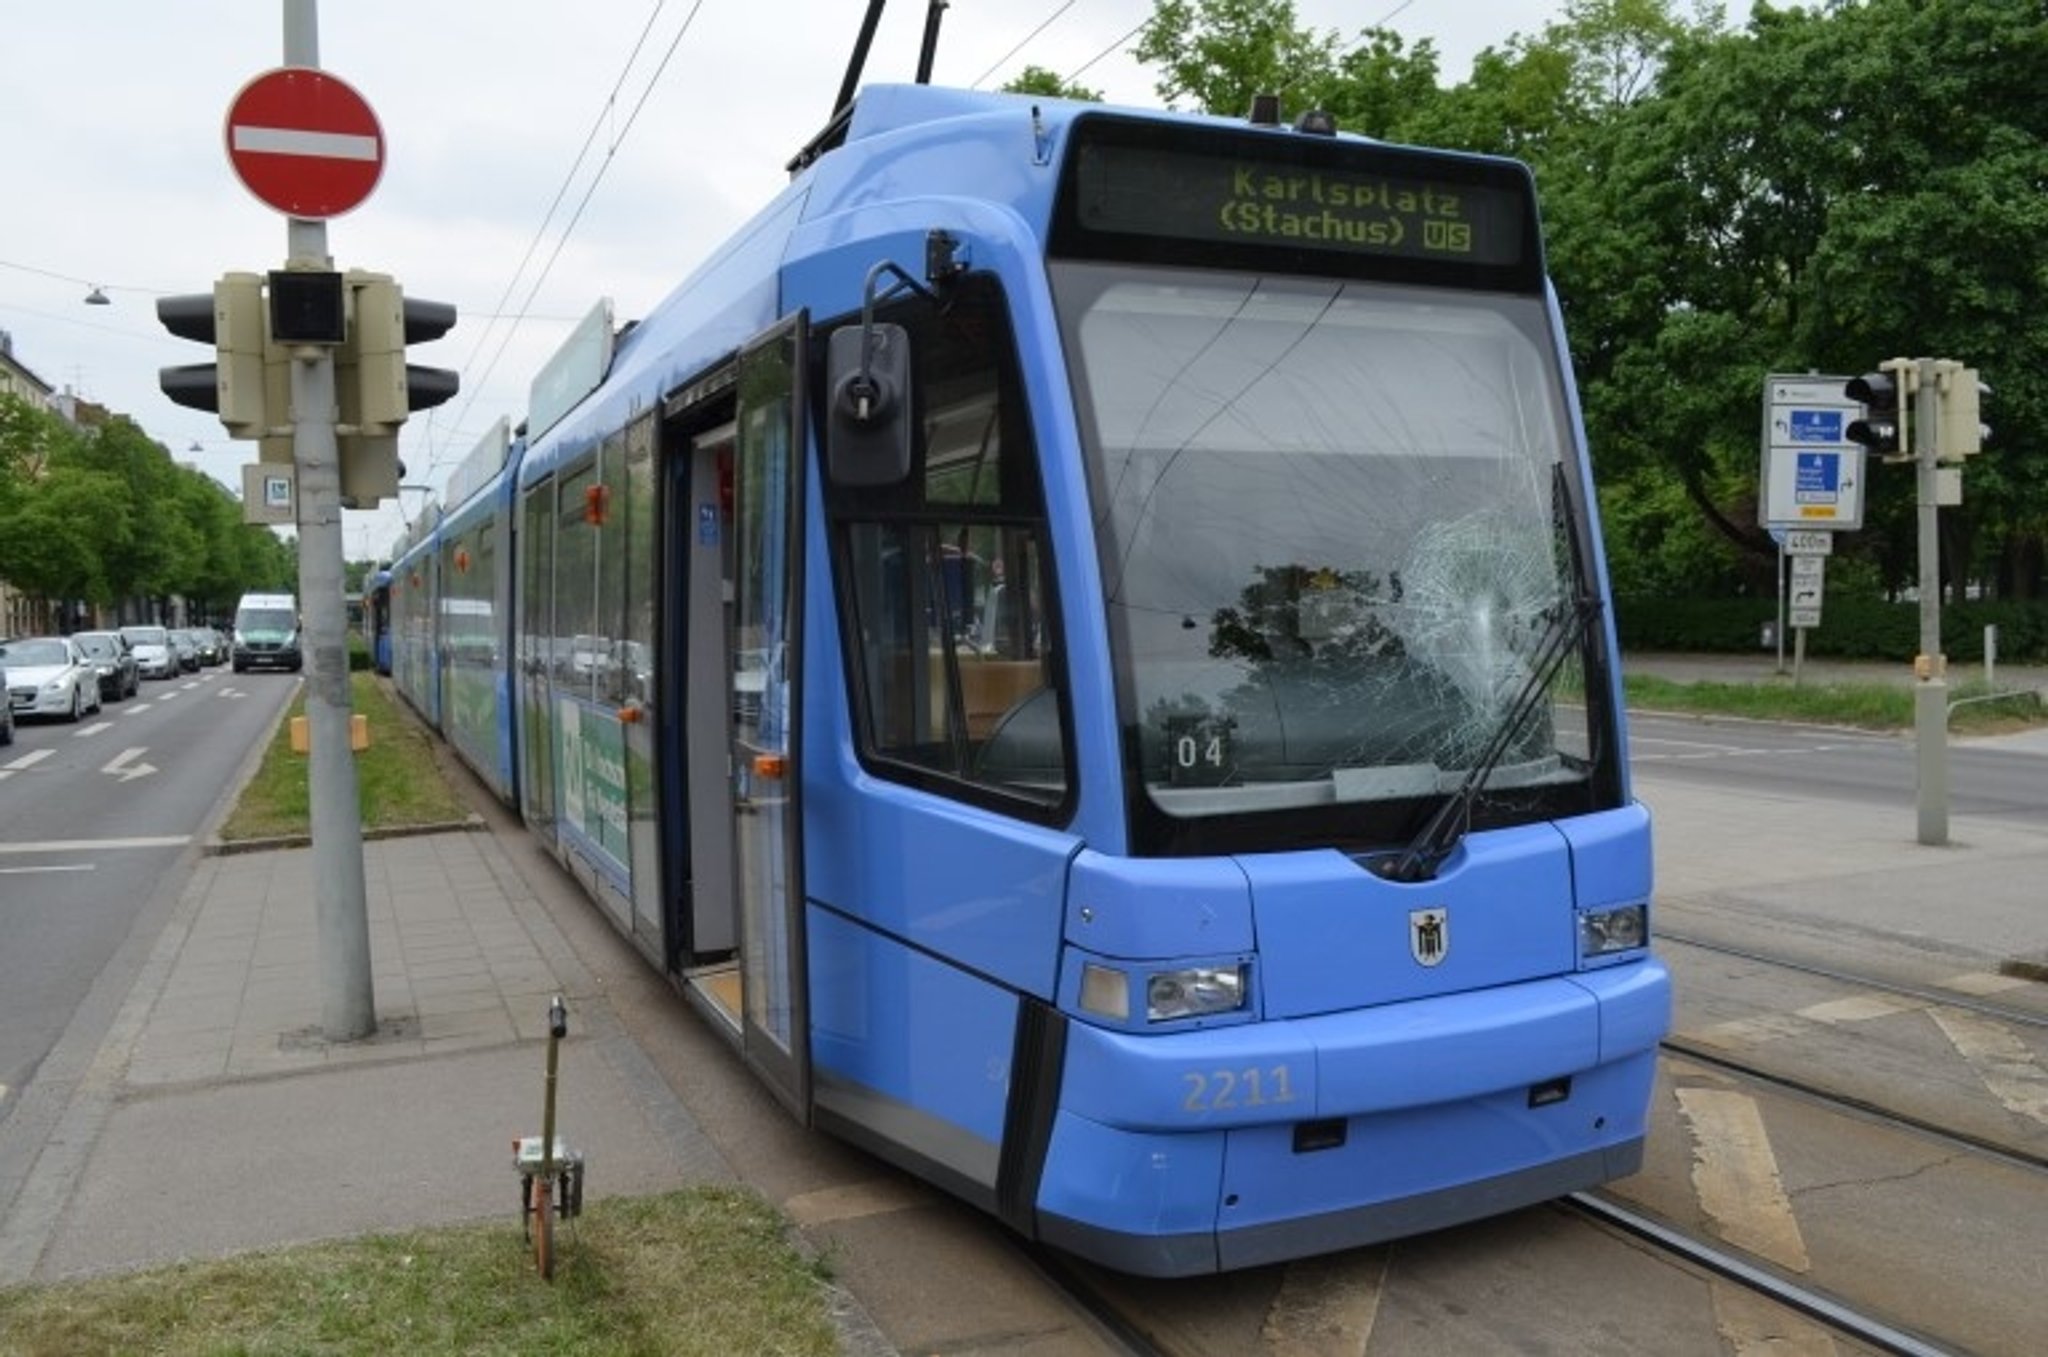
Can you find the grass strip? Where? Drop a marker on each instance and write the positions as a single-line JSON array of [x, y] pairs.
[[398, 782], [1871, 706], [707, 1270]]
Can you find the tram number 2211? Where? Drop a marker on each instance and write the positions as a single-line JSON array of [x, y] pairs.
[[1225, 1090], [1200, 750]]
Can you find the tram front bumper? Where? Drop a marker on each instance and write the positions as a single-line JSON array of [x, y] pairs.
[[1238, 1146]]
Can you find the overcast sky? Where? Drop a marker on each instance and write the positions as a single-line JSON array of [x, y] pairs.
[[682, 112]]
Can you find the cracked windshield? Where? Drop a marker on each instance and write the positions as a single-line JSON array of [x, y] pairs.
[[1331, 531]]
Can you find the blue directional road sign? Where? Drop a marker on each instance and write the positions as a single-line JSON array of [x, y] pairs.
[[1812, 475]]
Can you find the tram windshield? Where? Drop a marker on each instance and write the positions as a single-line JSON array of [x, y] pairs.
[[1333, 532]]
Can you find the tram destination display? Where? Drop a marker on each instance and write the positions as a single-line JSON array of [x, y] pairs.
[[1320, 198]]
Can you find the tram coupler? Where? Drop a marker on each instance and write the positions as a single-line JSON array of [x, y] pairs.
[[547, 1154]]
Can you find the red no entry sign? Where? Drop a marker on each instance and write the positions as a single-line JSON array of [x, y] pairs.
[[305, 142]]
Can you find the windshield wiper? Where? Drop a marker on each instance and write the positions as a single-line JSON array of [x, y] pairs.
[[1421, 858]]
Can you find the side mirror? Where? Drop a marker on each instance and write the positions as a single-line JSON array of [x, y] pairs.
[[867, 372]]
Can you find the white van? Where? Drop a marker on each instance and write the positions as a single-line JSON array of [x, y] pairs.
[[266, 632]]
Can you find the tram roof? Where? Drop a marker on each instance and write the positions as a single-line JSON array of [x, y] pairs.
[[903, 142]]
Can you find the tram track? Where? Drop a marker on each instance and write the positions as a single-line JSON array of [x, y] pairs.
[[1841, 1316], [1862, 1318], [1947, 1136], [2026, 1017]]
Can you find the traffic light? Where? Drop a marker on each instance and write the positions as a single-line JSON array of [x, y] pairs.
[[231, 318], [376, 388], [1958, 432], [1882, 428], [306, 307]]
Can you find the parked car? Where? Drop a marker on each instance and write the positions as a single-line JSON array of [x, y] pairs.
[[185, 645], [49, 676], [6, 709], [153, 653], [114, 659]]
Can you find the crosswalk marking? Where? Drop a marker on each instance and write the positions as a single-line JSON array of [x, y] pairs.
[[1735, 1175], [1858, 1008], [1983, 983], [2000, 1059], [2008, 1069], [1326, 1306], [1756, 1326]]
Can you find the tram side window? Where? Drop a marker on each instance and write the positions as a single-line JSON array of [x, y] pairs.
[[946, 577]]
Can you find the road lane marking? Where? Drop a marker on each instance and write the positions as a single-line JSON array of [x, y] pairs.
[[123, 764], [93, 729], [139, 706], [2000, 1059], [1736, 1177], [53, 867], [1326, 1306], [24, 763], [93, 845]]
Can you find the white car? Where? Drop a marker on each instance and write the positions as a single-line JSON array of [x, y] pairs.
[[49, 676], [155, 657]]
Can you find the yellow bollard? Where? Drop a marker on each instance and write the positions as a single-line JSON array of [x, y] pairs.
[[358, 734]]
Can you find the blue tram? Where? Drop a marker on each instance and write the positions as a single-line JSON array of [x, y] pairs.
[[1077, 638], [377, 620]]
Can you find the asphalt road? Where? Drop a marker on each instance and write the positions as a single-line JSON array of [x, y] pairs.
[[1987, 777], [95, 818]]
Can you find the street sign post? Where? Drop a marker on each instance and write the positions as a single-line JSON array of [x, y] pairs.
[[1812, 473], [305, 142]]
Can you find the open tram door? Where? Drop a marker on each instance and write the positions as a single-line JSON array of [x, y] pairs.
[[738, 591]]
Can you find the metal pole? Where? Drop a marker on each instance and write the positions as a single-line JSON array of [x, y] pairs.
[[347, 1005], [1930, 694], [1778, 636]]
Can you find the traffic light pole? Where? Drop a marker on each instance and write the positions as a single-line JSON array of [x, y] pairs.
[[347, 1005], [1930, 694]]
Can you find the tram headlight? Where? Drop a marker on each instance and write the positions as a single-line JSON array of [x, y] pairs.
[[1184, 992], [1195, 992], [1605, 932]]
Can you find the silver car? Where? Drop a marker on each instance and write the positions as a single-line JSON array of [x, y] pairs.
[[154, 655], [49, 676]]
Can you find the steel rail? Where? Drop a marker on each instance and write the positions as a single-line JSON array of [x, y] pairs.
[[1815, 1304], [1932, 996]]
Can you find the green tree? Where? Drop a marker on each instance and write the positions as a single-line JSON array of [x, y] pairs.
[[1217, 54], [1039, 80], [1827, 189]]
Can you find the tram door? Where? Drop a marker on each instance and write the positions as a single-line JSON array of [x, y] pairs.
[[739, 755], [531, 667], [713, 923]]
